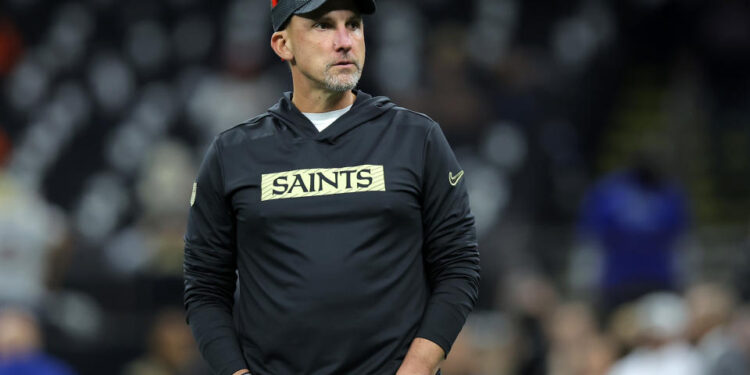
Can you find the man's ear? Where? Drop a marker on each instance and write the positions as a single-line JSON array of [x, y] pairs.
[[280, 45]]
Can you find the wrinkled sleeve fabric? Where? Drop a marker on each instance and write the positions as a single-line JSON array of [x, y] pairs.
[[209, 268], [450, 250]]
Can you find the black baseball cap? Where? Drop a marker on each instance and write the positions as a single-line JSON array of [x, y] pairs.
[[282, 10]]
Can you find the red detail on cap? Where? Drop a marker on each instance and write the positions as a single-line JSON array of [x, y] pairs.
[[274, 3]]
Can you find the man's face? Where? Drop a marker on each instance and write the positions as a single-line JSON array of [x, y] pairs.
[[329, 45]]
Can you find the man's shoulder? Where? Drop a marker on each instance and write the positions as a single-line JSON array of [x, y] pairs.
[[409, 117], [258, 127]]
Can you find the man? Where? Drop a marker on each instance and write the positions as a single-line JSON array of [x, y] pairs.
[[345, 217]]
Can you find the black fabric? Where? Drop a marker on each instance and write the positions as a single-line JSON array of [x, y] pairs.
[[330, 284], [284, 9]]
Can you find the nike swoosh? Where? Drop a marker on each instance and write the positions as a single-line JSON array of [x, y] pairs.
[[454, 179], [192, 196]]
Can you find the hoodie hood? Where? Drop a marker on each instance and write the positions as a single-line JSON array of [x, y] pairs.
[[365, 108]]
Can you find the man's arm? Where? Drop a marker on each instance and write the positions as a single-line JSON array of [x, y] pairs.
[[450, 252], [209, 267], [424, 358]]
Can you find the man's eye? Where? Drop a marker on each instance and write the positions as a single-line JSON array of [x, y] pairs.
[[321, 25], [355, 25]]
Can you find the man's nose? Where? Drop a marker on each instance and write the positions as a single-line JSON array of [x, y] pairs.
[[343, 39]]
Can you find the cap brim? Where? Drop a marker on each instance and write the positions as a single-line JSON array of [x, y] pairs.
[[364, 6]]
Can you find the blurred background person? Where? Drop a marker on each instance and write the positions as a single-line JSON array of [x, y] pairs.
[[22, 347], [710, 309], [532, 300], [661, 348], [577, 347], [34, 242], [736, 358], [153, 244], [483, 347], [635, 218], [171, 349]]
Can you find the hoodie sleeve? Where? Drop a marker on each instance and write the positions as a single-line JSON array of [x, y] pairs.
[[209, 268], [450, 246]]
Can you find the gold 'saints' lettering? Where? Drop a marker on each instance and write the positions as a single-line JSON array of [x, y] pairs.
[[322, 181]]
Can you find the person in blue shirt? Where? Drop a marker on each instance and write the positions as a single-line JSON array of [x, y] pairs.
[[636, 218], [21, 350]]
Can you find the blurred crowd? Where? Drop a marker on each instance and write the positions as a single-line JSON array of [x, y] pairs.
[[703, 331], [606, 146]]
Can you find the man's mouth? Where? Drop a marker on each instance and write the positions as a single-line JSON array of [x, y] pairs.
[[345, 64]]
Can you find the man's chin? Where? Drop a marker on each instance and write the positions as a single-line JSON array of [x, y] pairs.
[[342, 84], [341, 88]]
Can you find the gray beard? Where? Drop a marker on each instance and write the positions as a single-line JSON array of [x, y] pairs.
[[341, 82]]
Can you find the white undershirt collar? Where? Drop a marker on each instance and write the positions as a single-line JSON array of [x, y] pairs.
[[323, 120]]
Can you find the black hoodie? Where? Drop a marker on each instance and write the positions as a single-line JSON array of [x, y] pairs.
[[348, 242]]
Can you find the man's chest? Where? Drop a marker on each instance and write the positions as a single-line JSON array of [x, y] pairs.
[[309, 179]]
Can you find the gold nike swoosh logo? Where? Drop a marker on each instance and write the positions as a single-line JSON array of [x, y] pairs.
[[454, 179]]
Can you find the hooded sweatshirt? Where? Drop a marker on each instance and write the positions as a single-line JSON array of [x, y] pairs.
[[348, 243]]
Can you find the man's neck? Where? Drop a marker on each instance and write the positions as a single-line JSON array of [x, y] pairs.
[[319, 101]]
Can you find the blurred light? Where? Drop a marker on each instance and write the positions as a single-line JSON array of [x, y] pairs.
[[245, 29], [72, 97], [599, 16], [147, 45], [130, 142], [189, 79], [490, 328], [75, 313], [28, 166], [576, 39], [156, 108], [27, 84], [400, 39], [166, 179], [220, 101], [127, 147], [68, 35], [488, 188], [505, 146], [128, 251], [111, 81], [247, 21], [192, 37], [492, 31], [29, 229], [150, 117], [51, 128], [45, 54], [663, 315], [99, 210], [25, 167]]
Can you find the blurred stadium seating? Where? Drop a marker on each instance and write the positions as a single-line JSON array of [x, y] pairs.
[[106, 108]]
